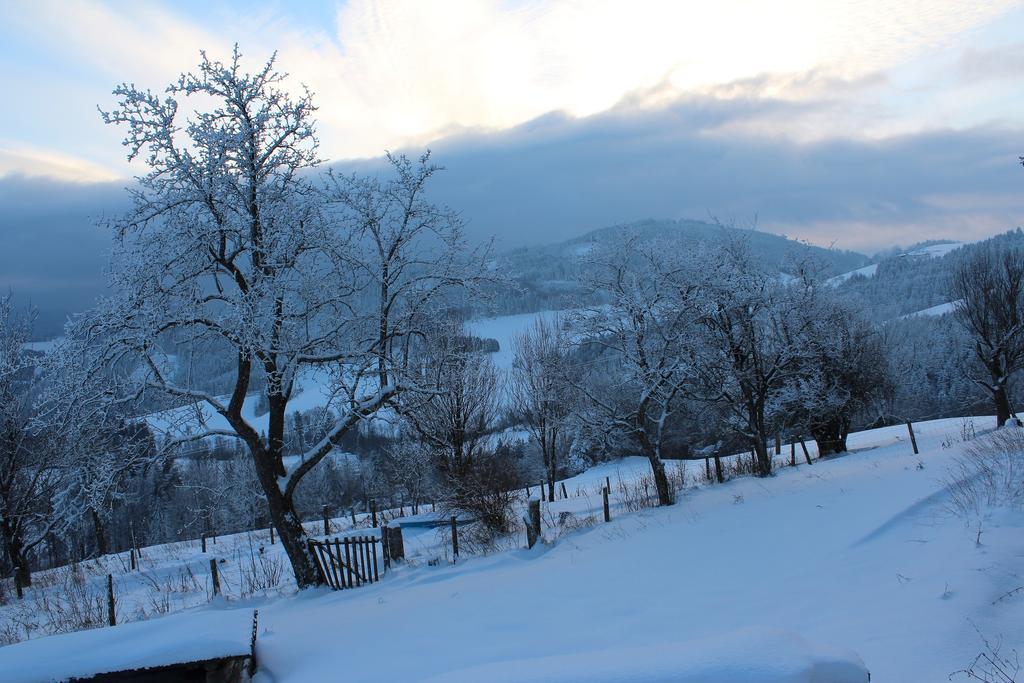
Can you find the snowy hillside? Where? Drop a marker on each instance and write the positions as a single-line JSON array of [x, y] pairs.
[[755, 580]]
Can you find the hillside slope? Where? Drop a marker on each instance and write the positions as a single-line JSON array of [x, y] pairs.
[[858, 553]]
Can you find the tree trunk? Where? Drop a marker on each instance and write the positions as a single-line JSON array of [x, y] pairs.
[[1002, 401], [102, 547], [287, 522], [16, 550], [660, 479], [763, 457]]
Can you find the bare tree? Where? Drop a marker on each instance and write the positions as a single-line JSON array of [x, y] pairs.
[[543, 390], [750, 347], [645, 329], [230, 239], [456, 411], [843, 371], [987, 288]]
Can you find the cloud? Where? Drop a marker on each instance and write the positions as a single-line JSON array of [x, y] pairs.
[[557, 177], [53, 253], [392, 73], [36, 163], [655, 154]]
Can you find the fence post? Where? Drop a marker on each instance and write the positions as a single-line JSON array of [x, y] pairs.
[[564, 494], [778, 443], [385, 537], [396, 543], [373, 511], [348, 563], [17, 585], [455, 538], [131, 528], [327, 521], [607, 512], [214, 576], [792, 453], [913, 439], [252, 643], [111, 612], [132, 562], [203, 539], [707, 469], [807, 455], [532, 521], [271, 534], [719, 474]]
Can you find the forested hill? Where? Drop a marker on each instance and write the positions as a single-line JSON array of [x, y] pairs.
[[916, 280], [549, 276]]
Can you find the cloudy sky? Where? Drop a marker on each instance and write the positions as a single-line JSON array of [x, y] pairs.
[[862, 123]]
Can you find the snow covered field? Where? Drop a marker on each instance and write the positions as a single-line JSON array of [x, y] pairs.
[[779, 579]]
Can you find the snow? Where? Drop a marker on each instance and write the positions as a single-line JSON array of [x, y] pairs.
[[505, 329], [761, 655], [315, 388], [44, 346], [758, 580], [175, 639], [933, 311], [866, 271], [935, 250]]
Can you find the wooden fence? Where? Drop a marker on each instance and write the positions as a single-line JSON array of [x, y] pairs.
[[346, 562]]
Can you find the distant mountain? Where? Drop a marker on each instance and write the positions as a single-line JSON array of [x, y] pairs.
[[549, 276]]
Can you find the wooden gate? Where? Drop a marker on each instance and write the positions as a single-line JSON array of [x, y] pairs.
[[347, 562]]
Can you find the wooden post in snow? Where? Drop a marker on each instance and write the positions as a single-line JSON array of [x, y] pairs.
[[214, 577], [396, 543], [792, 453], [807, 456], [532, 521], [707, 469], [327, 521], [373, 511], [352, 511], [203, 539], [135, 545], [17, 585], [778, 443], [132, 561], [111, 612], [913, 439], [272, 534], [455, 538], [607, 512], [564, 494]]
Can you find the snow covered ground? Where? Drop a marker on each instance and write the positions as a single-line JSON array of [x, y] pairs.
[[866, 271], [755, 580], [933, 311]]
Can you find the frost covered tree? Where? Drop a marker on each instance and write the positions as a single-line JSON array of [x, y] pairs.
[[456, 411], [543, 391], [26, 482], [987, 290], [231, 237], [750, 346], [66, 442], [646, 329], [843, 370]]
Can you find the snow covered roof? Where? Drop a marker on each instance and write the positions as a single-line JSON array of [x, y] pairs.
[[195, 636]]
